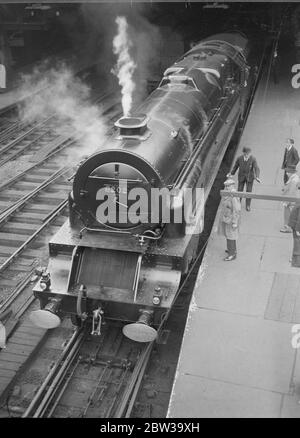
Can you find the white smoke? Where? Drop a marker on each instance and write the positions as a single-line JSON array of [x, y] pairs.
[[125, 65], [62, 95]]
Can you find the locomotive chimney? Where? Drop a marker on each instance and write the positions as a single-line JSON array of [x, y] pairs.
[[133, 127]]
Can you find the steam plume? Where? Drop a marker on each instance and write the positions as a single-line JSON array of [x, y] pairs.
[[67, 98], [125, 65]]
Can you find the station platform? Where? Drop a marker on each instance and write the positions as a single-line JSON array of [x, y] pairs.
[[77, 60], [237, 359]]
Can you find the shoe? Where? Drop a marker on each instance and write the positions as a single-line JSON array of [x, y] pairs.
[[229, 258], [248, 208], [285, 230]]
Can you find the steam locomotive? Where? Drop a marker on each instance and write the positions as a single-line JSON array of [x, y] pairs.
[[128, 265]]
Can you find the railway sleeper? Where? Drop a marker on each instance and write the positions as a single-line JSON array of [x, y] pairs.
[[41, 208], [25, 217], [13, 240], [19, 227]]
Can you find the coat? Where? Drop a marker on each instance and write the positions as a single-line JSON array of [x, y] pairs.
[[290, 188], [248, 170], [294, 220], [230, 215], [290, 158]]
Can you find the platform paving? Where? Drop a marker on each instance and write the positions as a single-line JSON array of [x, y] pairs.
[[237, 358]]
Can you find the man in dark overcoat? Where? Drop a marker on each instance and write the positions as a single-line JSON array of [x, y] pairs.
[[248, 172], [290, 158]]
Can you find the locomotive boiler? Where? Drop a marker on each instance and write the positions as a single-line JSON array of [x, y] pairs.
[[114, 258]]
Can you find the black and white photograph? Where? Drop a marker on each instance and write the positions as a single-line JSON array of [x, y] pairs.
[[149, 212]]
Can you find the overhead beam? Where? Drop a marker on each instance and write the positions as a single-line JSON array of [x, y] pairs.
[[139, 1], [266, 197]]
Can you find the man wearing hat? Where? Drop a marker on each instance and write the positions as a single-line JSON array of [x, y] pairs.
[[294, 223], [290, 189], [290, 158], [248, 171], [229, 219]]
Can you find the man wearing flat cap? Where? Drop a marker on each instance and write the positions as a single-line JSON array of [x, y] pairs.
[[248, 172], [290, 189], [229, 220], [294, 224]]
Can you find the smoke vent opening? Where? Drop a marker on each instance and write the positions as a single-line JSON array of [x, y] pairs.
[[133, 127]]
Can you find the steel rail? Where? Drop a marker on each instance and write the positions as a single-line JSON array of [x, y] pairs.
[[42, 398], [24, 135], [15, 154], [56, 211], [14, 127], [5, 214], [138, 369], [62, 391], [6, 304]]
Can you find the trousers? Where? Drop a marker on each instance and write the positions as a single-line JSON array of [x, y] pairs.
[[249, 185], [231, 247], [296, 250], [286, 215]]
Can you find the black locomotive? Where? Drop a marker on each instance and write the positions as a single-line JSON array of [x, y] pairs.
[[128, 269]]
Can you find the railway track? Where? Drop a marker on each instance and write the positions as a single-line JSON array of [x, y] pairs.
[[23, 138], [26, 139], [83, 376], [91, 376], [8, 118], [32, 208]]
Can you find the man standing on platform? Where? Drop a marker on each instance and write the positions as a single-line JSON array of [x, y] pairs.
[[248, 172], [290, 189], [290, 158], [229, 220], [294, 224]]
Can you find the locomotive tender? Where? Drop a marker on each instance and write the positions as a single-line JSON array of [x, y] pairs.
[[131, 271]]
